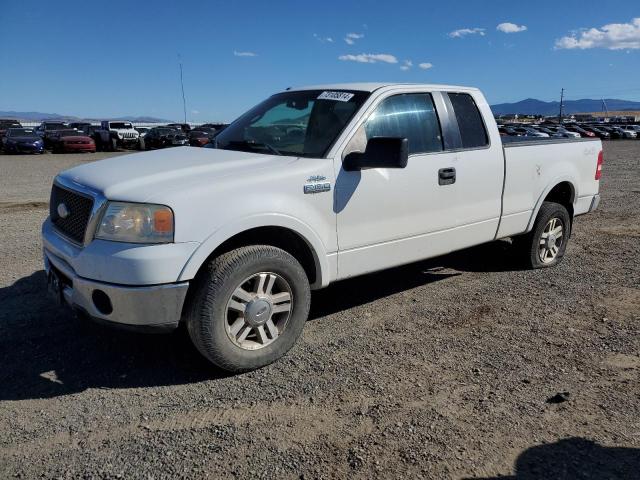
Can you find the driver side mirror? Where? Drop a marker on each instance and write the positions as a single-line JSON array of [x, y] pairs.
[[380, 152]]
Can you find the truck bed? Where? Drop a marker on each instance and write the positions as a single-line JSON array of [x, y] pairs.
[[534, 165], [526, 141]]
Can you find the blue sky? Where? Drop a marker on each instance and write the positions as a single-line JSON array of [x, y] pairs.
[[113, 58]]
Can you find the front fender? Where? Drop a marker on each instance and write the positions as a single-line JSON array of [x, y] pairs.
[[326, 268]]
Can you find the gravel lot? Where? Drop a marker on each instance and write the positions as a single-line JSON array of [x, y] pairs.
[[441, 369]]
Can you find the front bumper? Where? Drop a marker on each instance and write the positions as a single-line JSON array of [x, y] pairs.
[[586, 204], [79, 147], [151, 307], [24, 148]]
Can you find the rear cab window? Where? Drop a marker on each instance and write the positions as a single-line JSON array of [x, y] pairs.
[[470, 123]]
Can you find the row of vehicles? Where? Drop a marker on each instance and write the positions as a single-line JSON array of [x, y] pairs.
[[60, 137], [601, 131]]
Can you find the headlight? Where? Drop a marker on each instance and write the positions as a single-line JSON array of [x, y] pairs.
[[136, 223]]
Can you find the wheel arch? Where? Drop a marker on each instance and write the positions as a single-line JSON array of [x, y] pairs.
[[280, 231], [562, 191]]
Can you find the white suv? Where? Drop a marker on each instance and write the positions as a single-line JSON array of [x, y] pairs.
[[122, 133]]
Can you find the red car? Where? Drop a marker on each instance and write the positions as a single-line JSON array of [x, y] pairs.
[[201, 136], [72, 141]]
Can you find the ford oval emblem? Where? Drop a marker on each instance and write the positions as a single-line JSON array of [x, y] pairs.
[[63, 210]]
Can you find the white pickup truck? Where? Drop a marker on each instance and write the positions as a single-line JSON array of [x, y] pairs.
[[311, 186]]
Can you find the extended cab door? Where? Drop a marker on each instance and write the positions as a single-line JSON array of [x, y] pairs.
[[390, 216], [479, 165], [437, 204]]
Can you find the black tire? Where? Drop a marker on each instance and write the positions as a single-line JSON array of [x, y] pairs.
[[530, 244], [114, 145], [141, 144], [206, 313]]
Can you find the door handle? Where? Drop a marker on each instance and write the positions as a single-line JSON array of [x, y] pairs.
[[446, 176]]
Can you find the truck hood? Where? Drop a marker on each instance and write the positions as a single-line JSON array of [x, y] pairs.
[[140, 176], [75, 138]]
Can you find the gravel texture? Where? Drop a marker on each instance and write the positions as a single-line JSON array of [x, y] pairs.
[[464, 366]]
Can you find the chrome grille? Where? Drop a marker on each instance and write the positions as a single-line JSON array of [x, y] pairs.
[[74, 225]]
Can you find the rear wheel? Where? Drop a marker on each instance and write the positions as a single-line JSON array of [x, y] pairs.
[[546, 244], [248, 308]]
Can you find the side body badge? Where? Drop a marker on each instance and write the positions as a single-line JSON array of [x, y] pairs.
[[316, 184]]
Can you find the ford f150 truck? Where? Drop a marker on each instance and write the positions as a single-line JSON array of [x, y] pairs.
[[311, 186]]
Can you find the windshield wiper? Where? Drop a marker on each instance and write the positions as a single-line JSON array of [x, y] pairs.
[[251, 143]]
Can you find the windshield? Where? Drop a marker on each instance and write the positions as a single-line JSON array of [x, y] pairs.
[[54, 126], [20, 132], [70, 133], [118, 125], [302, 123]]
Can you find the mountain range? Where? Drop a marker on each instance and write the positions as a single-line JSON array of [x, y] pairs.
[[531, 106], [39, 116]]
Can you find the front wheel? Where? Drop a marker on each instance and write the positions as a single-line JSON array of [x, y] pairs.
[[248, 308], [546, 244]]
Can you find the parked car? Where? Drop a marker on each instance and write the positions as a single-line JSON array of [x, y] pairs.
[[217, 126], [101, 137], [231, 240], [71, 141], [583, 132], [601, 134], [183, 127], [567, 133], [22, 140], [511, 131], [201, 136], [122, 134], [162, 137], [142, 131], [79, 125], [7, 123], [628, 132], [548, 131], [47, 128], [614, 132], [530, 132]]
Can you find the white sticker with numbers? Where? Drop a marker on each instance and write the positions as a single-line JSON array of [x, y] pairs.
[[337, 96]]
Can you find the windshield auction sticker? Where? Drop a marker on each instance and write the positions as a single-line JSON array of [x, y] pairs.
[[337, 96]]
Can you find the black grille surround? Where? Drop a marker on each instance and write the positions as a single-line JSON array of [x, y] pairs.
[[79, 207]]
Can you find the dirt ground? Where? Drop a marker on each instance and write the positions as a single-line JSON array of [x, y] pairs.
[[444, 369]]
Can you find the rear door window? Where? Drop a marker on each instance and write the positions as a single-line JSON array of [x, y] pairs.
[[470, 124]]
